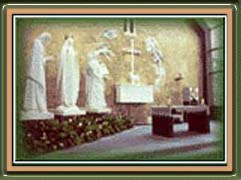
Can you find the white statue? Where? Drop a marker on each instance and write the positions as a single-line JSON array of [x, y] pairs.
[[160, 74], [35, 103], [68, 78], [151, 47], [96, 72]]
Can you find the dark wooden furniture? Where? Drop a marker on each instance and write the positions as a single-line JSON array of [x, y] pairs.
[[162, 125], [164, 118], [198, 121]]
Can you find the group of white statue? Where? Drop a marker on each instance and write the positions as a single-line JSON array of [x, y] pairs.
[[68, 79]]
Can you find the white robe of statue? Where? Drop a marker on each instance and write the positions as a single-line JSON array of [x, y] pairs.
[[160, 74], [35, 103], [68, 77], [96, 71], [151, 47]]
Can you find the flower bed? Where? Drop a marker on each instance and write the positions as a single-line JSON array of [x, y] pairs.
[[49, 135]]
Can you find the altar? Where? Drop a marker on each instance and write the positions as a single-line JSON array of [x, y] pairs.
[[163, 119], [131, 93]]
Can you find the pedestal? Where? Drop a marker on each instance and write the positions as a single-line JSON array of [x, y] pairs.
[[36, 115], [134, 96], [128, 93], [98, 112], [68, 112]]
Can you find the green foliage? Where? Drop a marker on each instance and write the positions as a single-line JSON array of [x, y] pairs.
[[44, 136]]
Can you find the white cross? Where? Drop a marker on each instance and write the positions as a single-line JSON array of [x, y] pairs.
[[132, 52]]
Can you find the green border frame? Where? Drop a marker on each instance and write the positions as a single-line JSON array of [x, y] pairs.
[[236, 174]]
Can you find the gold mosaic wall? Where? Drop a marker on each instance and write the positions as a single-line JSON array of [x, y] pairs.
[[177, 41]]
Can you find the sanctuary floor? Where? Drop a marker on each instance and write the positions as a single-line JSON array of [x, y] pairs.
[[140, 140]]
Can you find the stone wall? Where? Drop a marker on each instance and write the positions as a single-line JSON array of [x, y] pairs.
[[176, 39]]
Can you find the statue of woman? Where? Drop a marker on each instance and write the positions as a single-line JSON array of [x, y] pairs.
[[68, 78]]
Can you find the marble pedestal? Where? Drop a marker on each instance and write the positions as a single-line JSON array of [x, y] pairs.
[[99, 111], [132, 96], [36, 115], [68, 112], [129, 93]]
